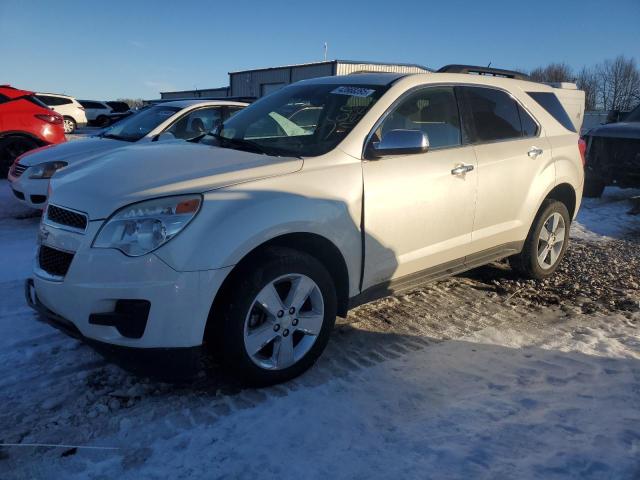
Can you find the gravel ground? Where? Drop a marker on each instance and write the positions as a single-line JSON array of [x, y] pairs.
[[593, 277]]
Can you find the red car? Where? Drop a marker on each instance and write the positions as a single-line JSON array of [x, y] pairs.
[[25, 123]]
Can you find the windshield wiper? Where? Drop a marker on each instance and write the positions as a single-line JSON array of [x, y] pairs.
[[248, 145], [116, 137]]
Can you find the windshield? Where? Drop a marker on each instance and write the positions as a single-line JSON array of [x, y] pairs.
[[301, 120], [136, 126]]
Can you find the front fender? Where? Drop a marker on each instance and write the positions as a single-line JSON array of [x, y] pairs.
[[235, 220]]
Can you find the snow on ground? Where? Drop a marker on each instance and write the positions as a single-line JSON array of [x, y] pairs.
[[450, 381], [608, 217]]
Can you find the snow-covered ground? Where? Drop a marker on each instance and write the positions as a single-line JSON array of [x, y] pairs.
[[456, 380]]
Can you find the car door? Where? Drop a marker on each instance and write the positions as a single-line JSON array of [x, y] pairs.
[[419, 208], [514, 163]]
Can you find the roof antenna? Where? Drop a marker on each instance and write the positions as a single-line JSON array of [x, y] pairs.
[[326, 47], [489, 65]]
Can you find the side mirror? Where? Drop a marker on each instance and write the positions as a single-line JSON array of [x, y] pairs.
[[399, 142], [165, 136]]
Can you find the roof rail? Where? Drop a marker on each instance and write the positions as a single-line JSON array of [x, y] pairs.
[[473, 69]]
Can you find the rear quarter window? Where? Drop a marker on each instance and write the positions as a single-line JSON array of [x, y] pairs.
[[552, 105]]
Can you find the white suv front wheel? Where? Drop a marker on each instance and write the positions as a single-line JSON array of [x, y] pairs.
[[278, 317]]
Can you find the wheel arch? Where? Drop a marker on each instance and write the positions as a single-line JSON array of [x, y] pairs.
[[566, 194], [21, 134], [313, 244]]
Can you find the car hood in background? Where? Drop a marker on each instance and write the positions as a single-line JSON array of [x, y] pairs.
[[141, 172], [617, 130], [73, 151]]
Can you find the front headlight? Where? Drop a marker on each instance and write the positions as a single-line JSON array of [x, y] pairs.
[[45, 170], [140, 228]]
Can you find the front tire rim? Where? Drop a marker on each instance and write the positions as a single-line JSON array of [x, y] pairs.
[[283, 322], [551, 240], [68, 126]]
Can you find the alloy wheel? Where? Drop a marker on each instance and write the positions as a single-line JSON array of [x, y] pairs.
[[283, 322], [551, 240]]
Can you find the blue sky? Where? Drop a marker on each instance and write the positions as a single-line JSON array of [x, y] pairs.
[[110, 49]]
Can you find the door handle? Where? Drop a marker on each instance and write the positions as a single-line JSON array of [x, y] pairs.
[[461, 169], [534, 152]]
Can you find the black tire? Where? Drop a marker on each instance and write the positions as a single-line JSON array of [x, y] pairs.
[[526, 262], [102, 121], [593, 188], [70, 125], [11, 148], [246, 285]]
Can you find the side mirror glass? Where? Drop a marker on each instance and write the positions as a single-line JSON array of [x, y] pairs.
[[165, 136], [400, 142]]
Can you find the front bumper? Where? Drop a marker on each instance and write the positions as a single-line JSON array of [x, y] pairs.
[[30, 192], [169, 363], [98, 280]]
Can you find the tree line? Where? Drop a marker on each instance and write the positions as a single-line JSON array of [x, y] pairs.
[[609, 85]]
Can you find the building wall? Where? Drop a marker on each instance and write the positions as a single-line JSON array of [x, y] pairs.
[[348, 68], [256, 83]]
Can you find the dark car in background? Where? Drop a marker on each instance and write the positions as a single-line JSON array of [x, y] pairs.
[[25, 123], [613, 155], [119, 110]]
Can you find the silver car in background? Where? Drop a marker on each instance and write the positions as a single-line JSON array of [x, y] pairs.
[[184, 119]]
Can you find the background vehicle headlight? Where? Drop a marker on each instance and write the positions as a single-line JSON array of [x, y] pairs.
[[45, 170], [142, 227]]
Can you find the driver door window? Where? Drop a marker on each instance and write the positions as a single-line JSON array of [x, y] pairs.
[[196, 123], [433, 111]]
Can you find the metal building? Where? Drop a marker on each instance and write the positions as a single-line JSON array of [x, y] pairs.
[[206, 93], [262, 81]]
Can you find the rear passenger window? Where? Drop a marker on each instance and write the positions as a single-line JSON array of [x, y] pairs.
[[551, 104], [3, 98], [494, 115], [433, 111], [529, 125]]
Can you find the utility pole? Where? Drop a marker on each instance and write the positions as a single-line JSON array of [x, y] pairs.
[[325, 51]]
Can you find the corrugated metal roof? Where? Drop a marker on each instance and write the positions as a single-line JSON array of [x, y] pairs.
[[414, 65]]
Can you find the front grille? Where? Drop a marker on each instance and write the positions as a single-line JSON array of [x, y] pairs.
[[18, 170], [54, 262], [62, 216]]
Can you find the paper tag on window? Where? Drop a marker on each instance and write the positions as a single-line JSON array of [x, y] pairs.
[[353, 91]]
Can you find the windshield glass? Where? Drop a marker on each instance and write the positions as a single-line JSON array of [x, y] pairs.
[[301, 120], [136, 126]]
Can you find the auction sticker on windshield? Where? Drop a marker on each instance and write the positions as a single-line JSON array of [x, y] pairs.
[[353, 91]]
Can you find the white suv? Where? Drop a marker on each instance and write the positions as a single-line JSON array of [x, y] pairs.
[[98, 113], [254, 245], [72, 112]]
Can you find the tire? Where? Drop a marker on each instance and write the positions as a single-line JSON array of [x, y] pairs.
[[593, 188], [69, 125], [266, 345], [10, 149], [102, 121], [527, 262]]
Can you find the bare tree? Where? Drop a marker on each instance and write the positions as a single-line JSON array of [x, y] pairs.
[[587, 81], [618, 83], [132, 102], [554, 72]]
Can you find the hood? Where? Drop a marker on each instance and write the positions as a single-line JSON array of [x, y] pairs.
[[72, 152], [617, 130], [140, 172]]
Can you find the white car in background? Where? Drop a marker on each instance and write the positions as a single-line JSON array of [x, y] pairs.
[[71, 110], [98, 113], [185, 119]]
